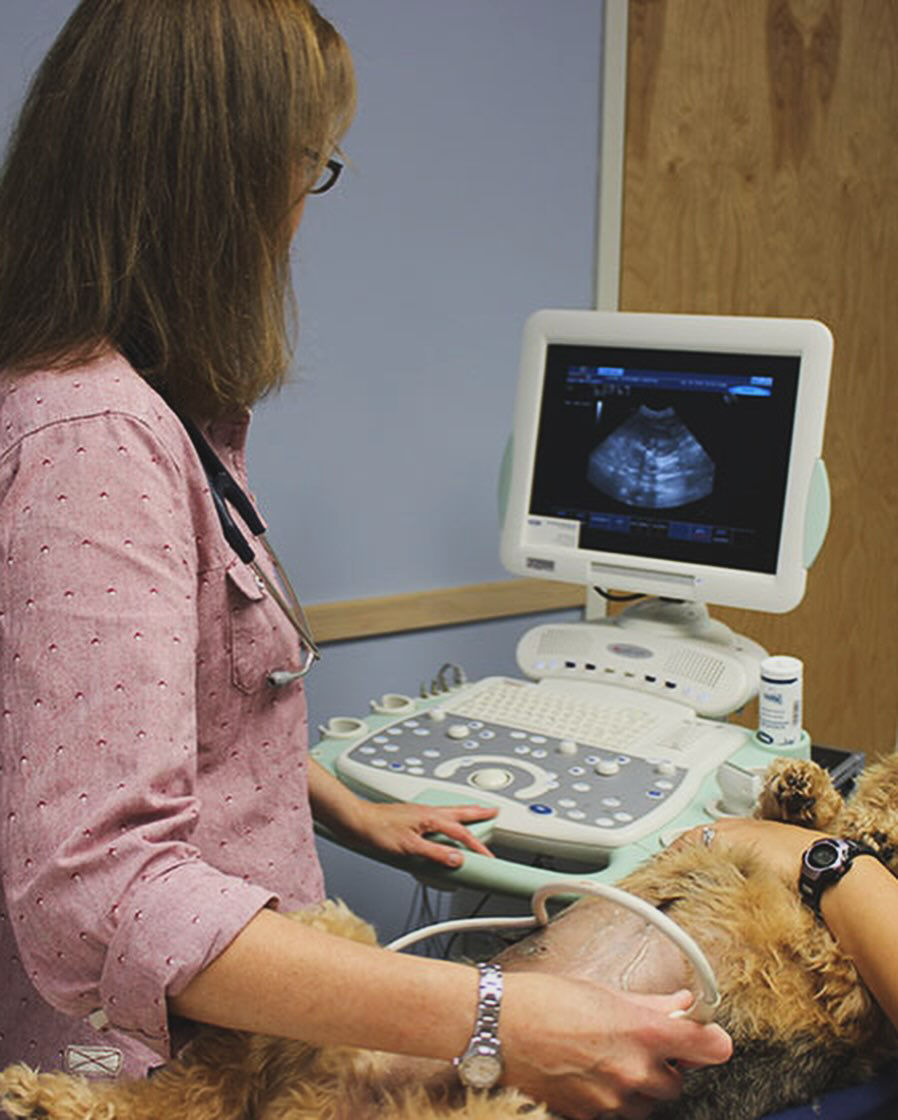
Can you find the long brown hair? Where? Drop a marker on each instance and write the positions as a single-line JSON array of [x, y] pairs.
[[147, 190]]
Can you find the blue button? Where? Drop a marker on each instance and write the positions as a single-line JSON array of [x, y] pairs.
[[543, 810], [654, 793], [396, 765]]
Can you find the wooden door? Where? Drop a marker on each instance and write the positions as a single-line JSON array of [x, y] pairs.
[[761, 177]]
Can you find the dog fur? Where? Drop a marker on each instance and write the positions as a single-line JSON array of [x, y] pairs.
[[801, 1019]]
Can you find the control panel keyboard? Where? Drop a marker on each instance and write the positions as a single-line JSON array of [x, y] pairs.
[[574, 769]]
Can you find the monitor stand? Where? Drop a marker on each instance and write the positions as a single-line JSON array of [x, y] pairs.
[[674, 618]]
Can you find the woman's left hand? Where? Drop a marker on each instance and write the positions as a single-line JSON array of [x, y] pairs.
[[780, 845], [406, 828]]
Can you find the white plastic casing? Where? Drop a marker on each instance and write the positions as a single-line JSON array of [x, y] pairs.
[[712, 678]]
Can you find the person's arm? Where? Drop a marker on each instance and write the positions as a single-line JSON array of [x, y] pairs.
[[401, 828], [579, 1047], [861, 909]]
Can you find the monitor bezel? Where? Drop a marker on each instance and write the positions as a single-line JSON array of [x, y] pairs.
[[806, 339]]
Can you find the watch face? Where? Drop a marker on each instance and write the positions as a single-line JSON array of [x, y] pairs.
[[822, 856], [480, 1071]]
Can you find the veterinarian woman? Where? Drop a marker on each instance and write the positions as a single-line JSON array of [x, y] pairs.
[[157, 795]]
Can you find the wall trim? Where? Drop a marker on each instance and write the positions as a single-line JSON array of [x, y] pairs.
[[351, 619]]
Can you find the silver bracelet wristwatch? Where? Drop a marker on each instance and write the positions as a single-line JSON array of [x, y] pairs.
[[480, 1067]]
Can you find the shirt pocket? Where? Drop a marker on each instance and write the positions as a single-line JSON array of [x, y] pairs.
[[257, 644]]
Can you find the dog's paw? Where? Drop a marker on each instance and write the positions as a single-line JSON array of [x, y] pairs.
[[800, 792]]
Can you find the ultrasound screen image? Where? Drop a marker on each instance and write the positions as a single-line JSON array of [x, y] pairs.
[[652, 460], [670, 454]]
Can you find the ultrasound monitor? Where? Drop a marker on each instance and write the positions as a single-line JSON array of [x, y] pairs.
[[670, 455]]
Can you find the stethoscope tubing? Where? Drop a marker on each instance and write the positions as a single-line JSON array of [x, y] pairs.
[[224, 489]]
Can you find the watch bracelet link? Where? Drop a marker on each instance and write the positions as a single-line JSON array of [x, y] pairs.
[[489, 1001]]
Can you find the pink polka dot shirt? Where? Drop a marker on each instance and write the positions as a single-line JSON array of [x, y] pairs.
[[153, 786]]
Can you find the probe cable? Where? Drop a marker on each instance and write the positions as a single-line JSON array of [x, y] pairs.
[[703, 1006]]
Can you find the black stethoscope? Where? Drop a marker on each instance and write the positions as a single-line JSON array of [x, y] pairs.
[[224, 489]]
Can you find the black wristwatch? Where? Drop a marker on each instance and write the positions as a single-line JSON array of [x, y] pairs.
[[824, 863]]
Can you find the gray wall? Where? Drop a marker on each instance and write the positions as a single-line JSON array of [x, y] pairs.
[[470, 202]]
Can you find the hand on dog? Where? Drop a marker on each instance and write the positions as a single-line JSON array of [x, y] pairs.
[[780, 845], [589, 1051], [406, 828]]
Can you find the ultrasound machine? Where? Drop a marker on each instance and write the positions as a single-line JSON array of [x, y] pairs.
[[674, 457]]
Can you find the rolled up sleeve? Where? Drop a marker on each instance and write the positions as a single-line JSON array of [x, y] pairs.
[[111, 903]]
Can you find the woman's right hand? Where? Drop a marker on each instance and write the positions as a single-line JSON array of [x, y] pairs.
[[588, 1051]]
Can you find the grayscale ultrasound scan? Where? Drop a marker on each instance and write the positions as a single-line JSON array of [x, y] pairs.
[[653, 461]]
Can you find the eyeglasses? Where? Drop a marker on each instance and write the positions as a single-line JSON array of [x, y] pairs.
[[329, 175]]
